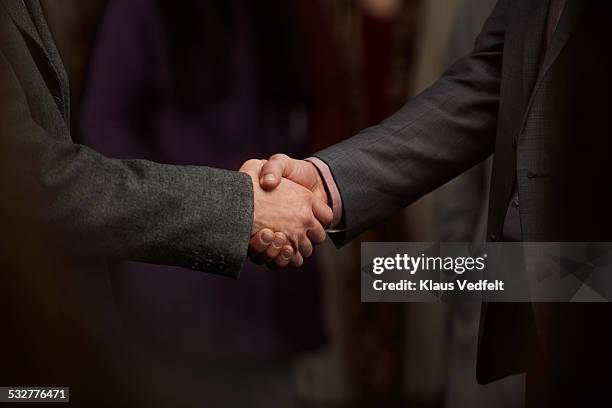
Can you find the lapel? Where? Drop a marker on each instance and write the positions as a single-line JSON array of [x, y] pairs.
[[562, 34], [533, 77], [29, 17], [21, 16], [40, 22], [533, 36]]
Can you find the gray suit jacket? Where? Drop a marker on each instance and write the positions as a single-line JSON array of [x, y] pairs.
[[502, 98], [194, 217], [65, 210]]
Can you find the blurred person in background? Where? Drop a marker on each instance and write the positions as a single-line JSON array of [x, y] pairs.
[[214, 82]]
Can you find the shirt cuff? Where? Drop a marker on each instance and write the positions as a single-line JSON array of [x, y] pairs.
[[335, 201]]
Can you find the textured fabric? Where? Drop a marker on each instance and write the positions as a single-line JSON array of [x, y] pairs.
[[512, 224], [554, 15], [548, 124], [133, 209], [430, 132]]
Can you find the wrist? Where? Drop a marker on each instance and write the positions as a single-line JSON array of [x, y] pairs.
[[252, 177]]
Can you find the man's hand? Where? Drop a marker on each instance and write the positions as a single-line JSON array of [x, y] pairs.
[[289, 209], [299, 171], [270, 248]]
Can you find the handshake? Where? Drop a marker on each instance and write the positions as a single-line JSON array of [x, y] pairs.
[[291, 210]]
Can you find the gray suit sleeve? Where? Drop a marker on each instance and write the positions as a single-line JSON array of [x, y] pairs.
[[195, 217], [439, 134]]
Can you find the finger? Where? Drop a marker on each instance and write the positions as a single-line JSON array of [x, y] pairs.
[[251, 165], [277, 244], [305, 247], [259, 244], [271, 252], [322, 212], [261, 241], [297, 260], [283, 259], [274, 170], [317, 234]]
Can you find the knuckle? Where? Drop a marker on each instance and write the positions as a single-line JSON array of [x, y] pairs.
[[279, 156]]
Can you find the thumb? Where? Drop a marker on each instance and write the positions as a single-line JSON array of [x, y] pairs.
[[274, 170]]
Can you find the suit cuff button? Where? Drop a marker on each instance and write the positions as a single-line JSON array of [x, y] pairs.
[[221, 266], [209, 265]]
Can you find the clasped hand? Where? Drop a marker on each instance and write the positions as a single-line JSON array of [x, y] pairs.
[[291, 210]]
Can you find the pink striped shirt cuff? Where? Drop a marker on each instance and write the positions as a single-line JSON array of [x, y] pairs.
[[332, 189]]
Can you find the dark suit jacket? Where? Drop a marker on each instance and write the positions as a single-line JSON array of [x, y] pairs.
[[68, 209], [546, 118]]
